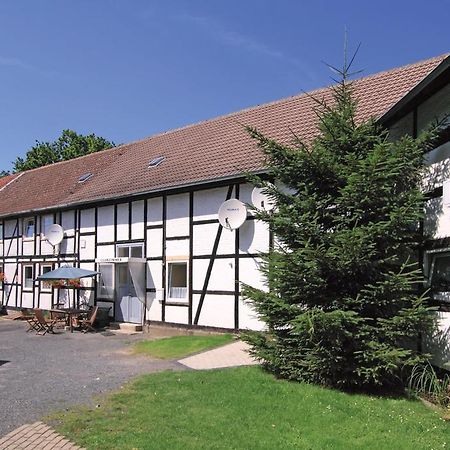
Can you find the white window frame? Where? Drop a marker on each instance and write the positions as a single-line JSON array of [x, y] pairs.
[[24, 278], [129, 246], [429, 263], [168, 287], [25, 223], [45, 285]]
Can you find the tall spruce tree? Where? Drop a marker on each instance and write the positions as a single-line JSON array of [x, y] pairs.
[[344, 306]]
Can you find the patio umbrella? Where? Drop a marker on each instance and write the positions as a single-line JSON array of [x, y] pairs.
[[67, 273]]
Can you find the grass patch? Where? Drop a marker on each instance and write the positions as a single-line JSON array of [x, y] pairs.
[[180, 346], [245, 408]]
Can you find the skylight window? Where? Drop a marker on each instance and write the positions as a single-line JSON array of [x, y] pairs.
[[84, 177], [157, 161]]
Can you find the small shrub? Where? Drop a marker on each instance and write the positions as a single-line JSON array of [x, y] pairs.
[[425, 382]]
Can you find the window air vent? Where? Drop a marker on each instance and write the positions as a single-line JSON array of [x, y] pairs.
[[84, 177], [157, 161]]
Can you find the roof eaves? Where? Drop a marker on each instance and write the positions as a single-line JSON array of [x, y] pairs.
[[131, 195], [412, 94]]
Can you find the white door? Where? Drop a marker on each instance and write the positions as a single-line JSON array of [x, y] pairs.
[[128, 305]]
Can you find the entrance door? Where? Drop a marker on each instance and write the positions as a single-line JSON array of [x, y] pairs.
[[128, 305]]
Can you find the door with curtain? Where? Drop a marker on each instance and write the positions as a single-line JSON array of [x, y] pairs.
[[128, 305]]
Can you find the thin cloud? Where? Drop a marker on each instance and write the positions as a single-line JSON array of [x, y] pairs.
[[15, 62], [244, 42], [19, 64]]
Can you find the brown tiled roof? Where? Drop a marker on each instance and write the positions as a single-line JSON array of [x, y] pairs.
[[214, 149], [6, 179]]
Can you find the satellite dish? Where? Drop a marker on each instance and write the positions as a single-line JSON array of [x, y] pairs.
[[261, 200], [232, 214], [285, 189], [54, 234]]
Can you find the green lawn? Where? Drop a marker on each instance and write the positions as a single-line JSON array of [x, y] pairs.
[[177, 347], [245, 408]]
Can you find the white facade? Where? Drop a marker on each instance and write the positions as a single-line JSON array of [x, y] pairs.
[[165, 258], [436, 224], [179, 229]]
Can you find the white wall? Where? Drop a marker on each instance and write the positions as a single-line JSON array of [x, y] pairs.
[[218, 309]]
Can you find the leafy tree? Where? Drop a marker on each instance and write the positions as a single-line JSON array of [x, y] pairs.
[[68, 146], [3, 173], [344, 306]]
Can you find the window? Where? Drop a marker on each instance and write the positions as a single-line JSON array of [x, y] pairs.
[[156, 161], [28, 277], [1, 231], [130, 250], [177, 286], [439, 277], [28, 228], [46, 223], [84, 177], [46, 285], [105, 287]]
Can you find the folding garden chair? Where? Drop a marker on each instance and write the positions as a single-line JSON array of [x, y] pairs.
[[88, 324], [33, 323], [46, 325]]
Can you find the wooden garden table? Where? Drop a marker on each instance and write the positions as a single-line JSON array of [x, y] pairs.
[[70, 313]]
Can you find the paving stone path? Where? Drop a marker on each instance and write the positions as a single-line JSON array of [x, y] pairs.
[[37, 436], [231, 355], [42, 437]]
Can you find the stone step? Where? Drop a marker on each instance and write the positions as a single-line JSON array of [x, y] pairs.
[[125, 326]]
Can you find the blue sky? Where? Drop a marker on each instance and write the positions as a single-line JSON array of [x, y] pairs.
[[129, 69]]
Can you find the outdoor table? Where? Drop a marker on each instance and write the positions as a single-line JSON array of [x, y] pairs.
[[70, 313]]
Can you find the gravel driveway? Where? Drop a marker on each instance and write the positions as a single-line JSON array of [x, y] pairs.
[[40, 374]]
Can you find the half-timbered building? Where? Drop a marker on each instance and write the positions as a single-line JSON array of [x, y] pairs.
[[144, 214]]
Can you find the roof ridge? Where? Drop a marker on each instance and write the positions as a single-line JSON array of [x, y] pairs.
[[242, 111], [284, 99], [406, 66]]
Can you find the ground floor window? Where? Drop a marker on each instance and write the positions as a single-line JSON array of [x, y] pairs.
[[105, 287], [46, 286], [439, 275], [177, 281], [28, 277]]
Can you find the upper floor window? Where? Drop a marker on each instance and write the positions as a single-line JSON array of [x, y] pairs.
[[1, 231], [28, 228], [46, 223]]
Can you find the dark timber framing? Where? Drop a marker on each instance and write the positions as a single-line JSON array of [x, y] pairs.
[[211, 263], [33, 252]]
